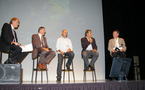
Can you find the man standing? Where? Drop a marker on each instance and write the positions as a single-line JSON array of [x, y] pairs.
[[89, 49], [64, 48], [40, 48], [120, 64], [9, 42]]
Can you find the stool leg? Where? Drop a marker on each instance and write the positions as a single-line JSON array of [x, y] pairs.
[[32, 71], [41, 76], [47, 75], [36, 75], [73, 72], [95, 75], [0, 57], [84, 78], [68, 76], [64, 71], [36, 70]]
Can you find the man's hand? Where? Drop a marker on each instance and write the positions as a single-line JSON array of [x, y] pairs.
[[60, 52], [90, 40], [122, 50], [46, 49], [94, 50], [113, 50], [15, 43]]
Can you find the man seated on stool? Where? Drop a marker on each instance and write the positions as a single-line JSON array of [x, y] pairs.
[[89, 49], [40, 48], [116, 44], [117, 48], [64, 48], [9, 42]]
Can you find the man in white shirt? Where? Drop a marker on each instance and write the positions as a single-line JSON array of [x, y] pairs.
[[64, 48]]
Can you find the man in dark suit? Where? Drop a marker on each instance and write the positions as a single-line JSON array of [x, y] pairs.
[[40, 48], [9, 42], [89, 49]]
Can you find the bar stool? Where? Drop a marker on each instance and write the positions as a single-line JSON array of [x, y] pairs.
[[93, 73], [35, 69], [65, 70]]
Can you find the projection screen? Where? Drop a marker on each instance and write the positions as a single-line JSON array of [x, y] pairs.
[[56, 15]]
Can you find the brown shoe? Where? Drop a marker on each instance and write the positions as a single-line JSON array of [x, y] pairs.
[[44, 66], [39, 66]]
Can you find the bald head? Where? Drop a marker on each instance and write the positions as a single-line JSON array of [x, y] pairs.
[[64, 33]]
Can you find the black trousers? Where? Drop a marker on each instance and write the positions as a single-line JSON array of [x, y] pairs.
[[16, 54]]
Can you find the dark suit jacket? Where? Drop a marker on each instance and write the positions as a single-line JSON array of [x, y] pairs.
[[37, 48], [6, 37], [85, 43]]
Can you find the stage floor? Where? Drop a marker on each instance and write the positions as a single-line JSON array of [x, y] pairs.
[[78, 85]]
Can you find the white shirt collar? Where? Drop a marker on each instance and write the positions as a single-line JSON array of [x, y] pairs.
[[39, 34], [12, 27]]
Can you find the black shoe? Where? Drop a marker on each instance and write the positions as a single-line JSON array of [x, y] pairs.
[[68, 67], [9, 61], [86, 69], [92, 68], [6, 62], [58, 80]]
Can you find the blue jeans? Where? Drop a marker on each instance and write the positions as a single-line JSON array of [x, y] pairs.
[[94, 56], [120, 67]]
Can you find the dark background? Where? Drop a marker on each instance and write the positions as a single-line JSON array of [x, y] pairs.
[[128, 17]]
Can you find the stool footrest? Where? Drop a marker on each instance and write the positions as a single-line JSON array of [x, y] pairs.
[[67, 70]]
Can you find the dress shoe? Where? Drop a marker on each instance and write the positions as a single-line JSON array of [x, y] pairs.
[[68, 67], [42, 66], [86, 69], [9, 61], [92, 68], [58, 80]]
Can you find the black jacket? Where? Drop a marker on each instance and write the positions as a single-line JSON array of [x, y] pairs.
[[85, 43], [6, 37]]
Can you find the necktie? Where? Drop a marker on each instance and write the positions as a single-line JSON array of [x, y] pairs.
[[42, 41], [14, 35]]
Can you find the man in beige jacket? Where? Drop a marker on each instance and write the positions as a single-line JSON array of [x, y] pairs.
[[120, 65], [116, 43]]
